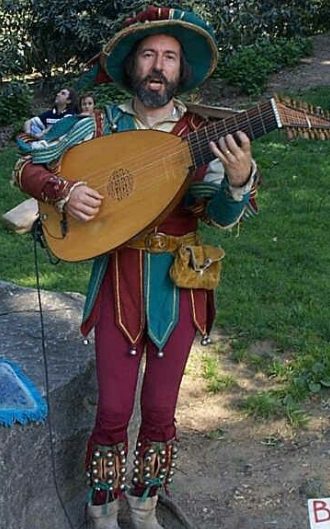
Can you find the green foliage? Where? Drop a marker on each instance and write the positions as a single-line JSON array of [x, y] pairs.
[[248, 70], [12, 45], [47, 36], [217, 434], [297, 378], [311, 374], [263, 405], [15, 102], [270, 404], [108, 93], [243, 22], [249, 67], [58, 34], [322, 17]]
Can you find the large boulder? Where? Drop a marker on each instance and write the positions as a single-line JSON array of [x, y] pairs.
[[34, 463]]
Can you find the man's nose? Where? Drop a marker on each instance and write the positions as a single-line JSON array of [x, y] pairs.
[[158, 63]]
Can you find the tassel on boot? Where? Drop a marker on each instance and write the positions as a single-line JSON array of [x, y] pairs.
[[104, 516], [143, 512]]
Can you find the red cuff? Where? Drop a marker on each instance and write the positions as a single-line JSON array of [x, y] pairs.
[[40, 183]]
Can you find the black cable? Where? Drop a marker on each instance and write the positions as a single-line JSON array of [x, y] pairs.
[[37, 238]]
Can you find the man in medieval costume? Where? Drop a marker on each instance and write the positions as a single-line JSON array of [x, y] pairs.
[[132, 301]]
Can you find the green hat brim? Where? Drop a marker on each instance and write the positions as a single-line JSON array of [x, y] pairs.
[[198, 46]]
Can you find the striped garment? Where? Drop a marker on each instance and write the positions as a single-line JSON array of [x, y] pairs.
[[52, 147]]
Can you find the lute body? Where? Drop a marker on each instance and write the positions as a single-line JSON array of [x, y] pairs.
[[137, 187], [142, 175]]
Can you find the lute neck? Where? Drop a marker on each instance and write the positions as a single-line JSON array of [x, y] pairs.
[[255, 122]]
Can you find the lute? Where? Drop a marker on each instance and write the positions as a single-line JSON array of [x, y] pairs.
[[143, 174]]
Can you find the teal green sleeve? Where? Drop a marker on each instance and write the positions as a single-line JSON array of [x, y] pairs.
[[87, 79], [199, 191], [222, 209]]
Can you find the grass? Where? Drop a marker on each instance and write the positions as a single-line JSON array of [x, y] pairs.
[[215, 381], [279, 265], [275, 284], [17, 252], [270, 404]]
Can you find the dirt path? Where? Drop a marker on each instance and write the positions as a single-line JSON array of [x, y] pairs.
[[313, 71], [235, 472]]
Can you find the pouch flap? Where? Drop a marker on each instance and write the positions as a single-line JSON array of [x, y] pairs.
[[202, 257]]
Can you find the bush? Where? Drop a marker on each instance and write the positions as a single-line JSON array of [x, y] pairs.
[[47, 36], [12, 44], [240, 23], [15, 102], [249, 67], [286, 52], [322, 17], [247, 70], [107, 93]]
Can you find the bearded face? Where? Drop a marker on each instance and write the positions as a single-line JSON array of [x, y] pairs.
[[154, 72], [154, 90]]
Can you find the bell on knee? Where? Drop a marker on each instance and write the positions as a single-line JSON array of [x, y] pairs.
[[107, 469], [107, 479], [154, 466]]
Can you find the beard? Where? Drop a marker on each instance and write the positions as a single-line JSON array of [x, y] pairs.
[[151, 98]]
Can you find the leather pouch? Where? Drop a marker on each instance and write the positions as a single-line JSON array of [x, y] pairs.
[[197, 267]]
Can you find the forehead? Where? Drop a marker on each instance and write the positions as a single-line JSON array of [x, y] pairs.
[[87, 99], [163, 42], [64, 92]]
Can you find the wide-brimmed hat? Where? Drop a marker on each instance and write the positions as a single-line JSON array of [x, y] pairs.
[[194, 34]]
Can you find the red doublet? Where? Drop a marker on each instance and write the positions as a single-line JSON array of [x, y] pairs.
[[126, 265]]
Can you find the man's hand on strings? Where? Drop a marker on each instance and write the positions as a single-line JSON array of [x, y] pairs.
[[235, 156], [84, 203]]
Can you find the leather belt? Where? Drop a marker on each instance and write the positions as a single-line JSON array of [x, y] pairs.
[[158, 242]]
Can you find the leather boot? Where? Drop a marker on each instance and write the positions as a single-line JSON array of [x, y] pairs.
[[104, 516], [143, 512]]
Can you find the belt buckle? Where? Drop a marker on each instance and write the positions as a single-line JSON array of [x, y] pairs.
[[156, 242]]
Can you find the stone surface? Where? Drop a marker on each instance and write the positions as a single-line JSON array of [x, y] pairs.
[[33, 463], [28, 498]]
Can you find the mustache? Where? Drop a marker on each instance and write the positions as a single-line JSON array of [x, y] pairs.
[[155, 75]]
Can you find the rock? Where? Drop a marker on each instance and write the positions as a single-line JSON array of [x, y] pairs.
[[26, 463]]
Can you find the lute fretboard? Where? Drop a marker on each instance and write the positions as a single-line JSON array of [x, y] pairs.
[[255, 122]]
